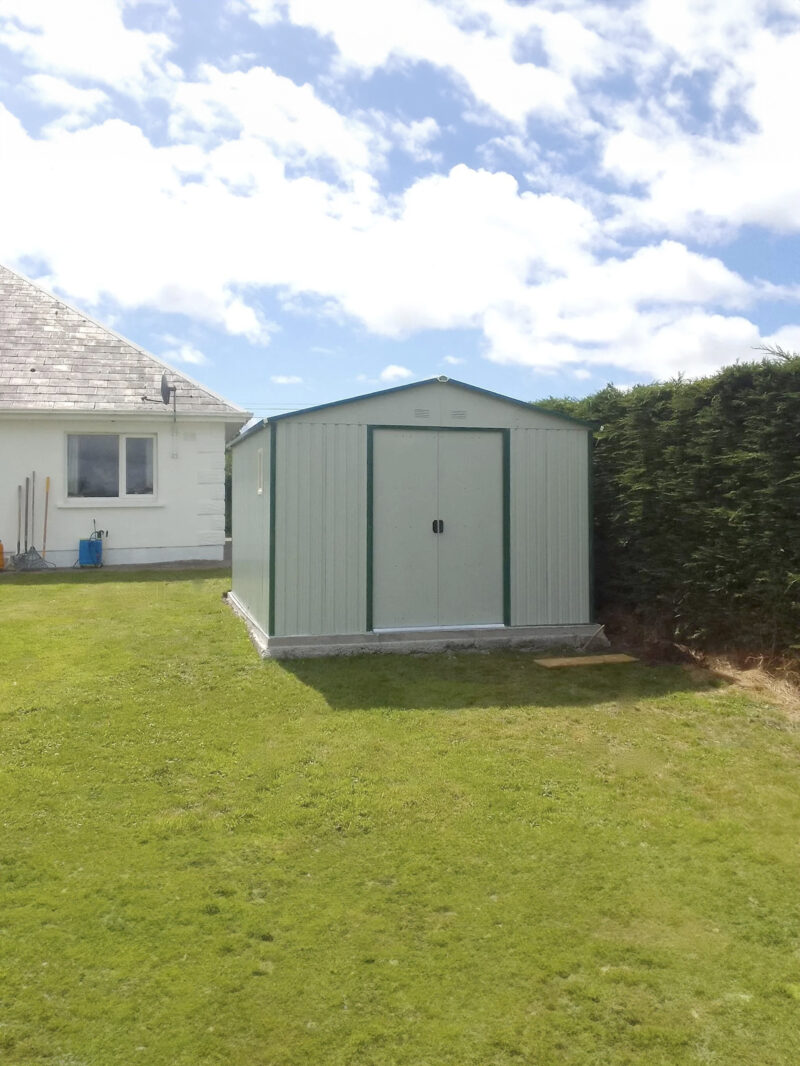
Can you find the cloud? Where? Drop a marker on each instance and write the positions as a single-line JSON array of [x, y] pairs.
[[87, 39], [56, 92], [250, 183], [184, 353], [453, 360], [737, 166], [787, 338], [286, 379], [475, 41], [395, 373], [266, 107], [467, 249]]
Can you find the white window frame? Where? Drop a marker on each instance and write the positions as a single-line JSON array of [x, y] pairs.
[[141, 498]]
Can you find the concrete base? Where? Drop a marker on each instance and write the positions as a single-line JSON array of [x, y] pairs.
[[420, 641]]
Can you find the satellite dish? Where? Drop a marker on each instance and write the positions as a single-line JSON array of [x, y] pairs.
[[167, 391]]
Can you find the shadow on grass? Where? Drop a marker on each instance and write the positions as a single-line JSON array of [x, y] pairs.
[[493, 679]]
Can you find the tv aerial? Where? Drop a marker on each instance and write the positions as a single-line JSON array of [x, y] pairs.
[[167, 390]]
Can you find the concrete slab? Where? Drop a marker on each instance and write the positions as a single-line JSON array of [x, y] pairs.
[[419, 641]]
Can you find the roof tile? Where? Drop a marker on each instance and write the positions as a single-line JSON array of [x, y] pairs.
[[53, 357]]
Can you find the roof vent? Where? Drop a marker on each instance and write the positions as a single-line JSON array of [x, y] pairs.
[[421, 412], [459, 414], [443, 377]]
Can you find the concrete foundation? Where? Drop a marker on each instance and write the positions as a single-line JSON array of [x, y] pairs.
[[420, 641]]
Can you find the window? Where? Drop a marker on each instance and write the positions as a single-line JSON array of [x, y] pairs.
[[107, 465]]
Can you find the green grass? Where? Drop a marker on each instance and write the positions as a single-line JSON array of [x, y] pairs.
[[441, 860]]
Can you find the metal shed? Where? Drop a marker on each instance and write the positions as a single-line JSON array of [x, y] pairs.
[[431, 515]]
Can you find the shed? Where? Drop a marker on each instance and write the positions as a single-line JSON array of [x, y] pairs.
[[431, 515]]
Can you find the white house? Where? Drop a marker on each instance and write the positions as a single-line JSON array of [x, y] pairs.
[[83, 407]]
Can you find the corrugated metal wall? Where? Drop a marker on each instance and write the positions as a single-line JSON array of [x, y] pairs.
[[320, 532], [549, 527], [250, 525], [320, 513]]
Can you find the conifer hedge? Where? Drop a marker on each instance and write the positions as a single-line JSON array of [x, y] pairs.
[[697, 504]]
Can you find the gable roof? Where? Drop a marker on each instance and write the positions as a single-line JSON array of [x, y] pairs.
[[415, 385], [55, 358]]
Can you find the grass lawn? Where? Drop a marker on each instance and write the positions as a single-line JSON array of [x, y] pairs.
[[459, 859]]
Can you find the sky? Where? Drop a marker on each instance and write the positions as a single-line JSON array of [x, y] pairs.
[[296, 201]]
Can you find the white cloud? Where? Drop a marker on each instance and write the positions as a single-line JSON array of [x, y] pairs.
[[184, 353], [264, 185], [286, 379], [415, 137], [395, 373], [60, 93], [453, 360], [475, 41], [732, 171], [787, 338], [272, 109], [525, 270], [84, 38]]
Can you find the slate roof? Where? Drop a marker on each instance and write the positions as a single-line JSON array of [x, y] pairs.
[[54, 358]]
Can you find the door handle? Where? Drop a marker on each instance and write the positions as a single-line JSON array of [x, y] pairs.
[[437, 525]]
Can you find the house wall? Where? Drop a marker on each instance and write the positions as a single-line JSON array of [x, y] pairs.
[[250, 520], [320, 510], [184, 520]]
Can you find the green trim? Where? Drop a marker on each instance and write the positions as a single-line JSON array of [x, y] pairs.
[[590, 521], [506, 474], [370, 526], [507, 527], [273, 433], [431, 381], [245, 433]]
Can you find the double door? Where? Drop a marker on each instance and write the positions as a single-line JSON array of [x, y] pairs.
[[437, 528]]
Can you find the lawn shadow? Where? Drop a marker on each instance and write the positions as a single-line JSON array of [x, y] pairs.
[[452, 681]]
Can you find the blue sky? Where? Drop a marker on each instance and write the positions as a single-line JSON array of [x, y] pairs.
[[299, 200]]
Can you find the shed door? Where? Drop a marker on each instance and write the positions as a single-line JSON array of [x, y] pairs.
[[420, 577]]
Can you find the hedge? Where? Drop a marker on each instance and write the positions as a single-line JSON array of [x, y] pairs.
[[697, 504]]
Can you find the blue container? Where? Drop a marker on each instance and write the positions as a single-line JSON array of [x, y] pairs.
[[90, 552]]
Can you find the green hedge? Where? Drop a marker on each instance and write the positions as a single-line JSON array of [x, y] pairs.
[[697, 503]]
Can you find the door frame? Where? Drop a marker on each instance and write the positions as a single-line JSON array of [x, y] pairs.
[[506, 493]]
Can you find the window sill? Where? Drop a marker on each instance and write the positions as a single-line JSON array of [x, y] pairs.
[[96, 502]]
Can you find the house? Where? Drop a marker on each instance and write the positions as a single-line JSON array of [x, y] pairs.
[[83, 407], [430, 515]]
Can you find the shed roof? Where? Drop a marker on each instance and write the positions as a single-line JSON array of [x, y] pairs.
[[55, 358], [414, 385]]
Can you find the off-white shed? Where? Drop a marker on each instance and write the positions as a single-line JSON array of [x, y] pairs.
[[431, 515]]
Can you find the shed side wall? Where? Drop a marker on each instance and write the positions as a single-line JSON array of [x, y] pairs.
[[250, 547], [549, 528], [320, 529]]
